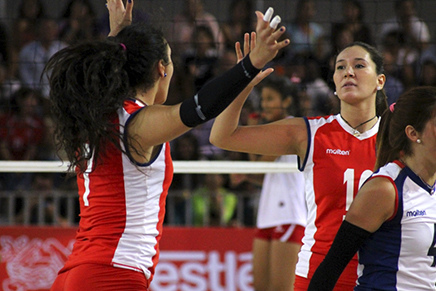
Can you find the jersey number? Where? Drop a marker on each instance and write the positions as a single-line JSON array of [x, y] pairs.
[[432, 249], [349, 181]]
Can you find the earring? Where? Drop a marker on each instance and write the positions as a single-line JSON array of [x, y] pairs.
[[379, 88], [418, 140], [165, 74], [334, 93]]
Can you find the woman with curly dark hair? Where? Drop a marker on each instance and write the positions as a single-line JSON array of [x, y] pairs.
[[107, 101]]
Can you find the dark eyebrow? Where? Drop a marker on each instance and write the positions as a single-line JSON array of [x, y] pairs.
[[356, 59]]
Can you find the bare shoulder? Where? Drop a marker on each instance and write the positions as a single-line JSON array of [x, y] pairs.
[[374, 203]]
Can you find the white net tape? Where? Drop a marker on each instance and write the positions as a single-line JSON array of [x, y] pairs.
[[191, 167]]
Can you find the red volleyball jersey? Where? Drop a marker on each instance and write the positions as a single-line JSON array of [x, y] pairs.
[[336, 165], [122, 207]]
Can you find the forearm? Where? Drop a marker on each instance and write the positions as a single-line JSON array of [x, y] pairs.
[[216, 95], [227, 122], [347, 242]]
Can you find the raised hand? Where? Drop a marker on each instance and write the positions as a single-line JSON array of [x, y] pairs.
[[119, 16], [266, 44], [249, 45]]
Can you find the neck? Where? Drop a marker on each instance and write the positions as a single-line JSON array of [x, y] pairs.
[[421, 169], [360, 125]]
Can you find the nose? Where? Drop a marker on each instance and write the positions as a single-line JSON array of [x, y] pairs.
[[349, 72]]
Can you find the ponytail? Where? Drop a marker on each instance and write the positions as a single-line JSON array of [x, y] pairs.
[[88, 84]]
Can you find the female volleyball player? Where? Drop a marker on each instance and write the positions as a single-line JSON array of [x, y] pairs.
[[392, 221], [107, 101], [336, 153]]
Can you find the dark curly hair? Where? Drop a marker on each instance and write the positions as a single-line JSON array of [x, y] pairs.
[[89, 83]]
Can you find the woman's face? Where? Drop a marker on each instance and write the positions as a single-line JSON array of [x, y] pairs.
[[273, 107], [427, 147], [355, 75]]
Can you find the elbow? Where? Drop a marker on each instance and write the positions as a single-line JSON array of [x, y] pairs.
[[217, 140], [214, 140]]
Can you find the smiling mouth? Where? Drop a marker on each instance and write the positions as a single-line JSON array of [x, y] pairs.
[[348, 85]]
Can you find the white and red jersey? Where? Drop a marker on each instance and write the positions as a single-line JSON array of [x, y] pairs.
[[336, 165], [122, 206], [282, 198]]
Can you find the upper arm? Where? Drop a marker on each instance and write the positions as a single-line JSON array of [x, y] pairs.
[[374, 204], [284, 137], [155, 125]]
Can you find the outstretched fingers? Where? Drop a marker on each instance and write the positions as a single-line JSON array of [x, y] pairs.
[[249, 45], [119, 16], [267, 45]]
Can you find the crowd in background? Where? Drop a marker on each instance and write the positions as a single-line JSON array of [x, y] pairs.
[[202, 48]]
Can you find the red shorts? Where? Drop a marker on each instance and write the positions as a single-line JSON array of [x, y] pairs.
[[93, 277], [301, 284], [284, 233]]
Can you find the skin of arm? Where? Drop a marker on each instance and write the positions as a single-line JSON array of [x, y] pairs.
[[373, 205], [283, 137]]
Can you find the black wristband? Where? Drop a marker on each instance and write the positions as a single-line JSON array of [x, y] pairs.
[[217, 94], [347, 242]]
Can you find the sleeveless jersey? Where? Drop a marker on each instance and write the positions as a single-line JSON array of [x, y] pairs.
[[282, 198], [401, 254], [336, 165], [122, 206]]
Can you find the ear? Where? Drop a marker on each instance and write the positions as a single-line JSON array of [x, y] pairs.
[[161, 69], [381, 79], [411, 133], [287, 102]]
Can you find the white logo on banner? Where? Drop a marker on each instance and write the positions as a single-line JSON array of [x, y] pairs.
[[31, 264], [202, 270]]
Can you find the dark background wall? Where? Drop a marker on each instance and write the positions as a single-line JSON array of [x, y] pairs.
[[376, 11]]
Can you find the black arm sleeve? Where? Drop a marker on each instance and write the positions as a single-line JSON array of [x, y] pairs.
[[217, 94], [347, 242]]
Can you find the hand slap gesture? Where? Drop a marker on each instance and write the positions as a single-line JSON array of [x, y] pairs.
[[266, 44], [119, 17], [249, 45]]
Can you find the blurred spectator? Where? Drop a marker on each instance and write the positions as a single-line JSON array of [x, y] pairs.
[[393, 85], [192, 16], [200, 60], [405, 57], [8, 86], [34, 56], [24, 28], [42, 204], [414, 30], [79, 22], [352, 19], [207, 150], [241, 20], [25, 25], [427, 54], [21, 133], [428, 73], [316, 97], [213, 204], [306, 36], [183, 148]]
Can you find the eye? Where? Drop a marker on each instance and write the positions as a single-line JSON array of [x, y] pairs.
[[359, 66], [340, 67]]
